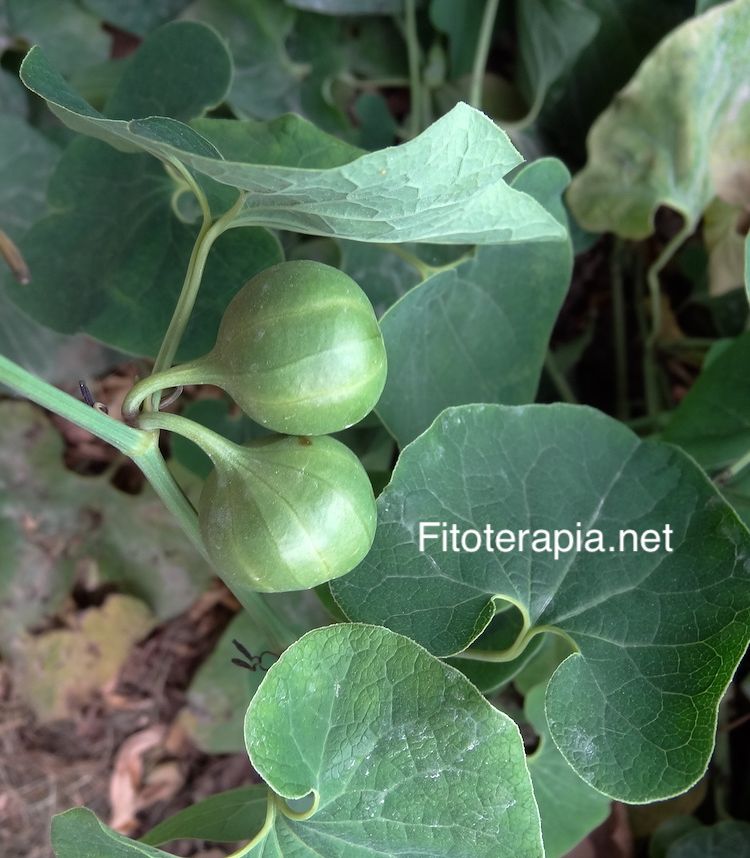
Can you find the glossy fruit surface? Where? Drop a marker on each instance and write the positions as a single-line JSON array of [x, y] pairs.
[[300, 350], [286, 513]]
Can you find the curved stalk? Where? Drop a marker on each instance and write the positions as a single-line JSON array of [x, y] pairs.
[[482, 53], [139, 445], [213, 444], [157, 382], [185, 303]]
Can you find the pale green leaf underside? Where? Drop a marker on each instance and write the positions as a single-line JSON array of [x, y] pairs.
[[569, 808], [445, 186], [677, 134], [404, 754], [659, 634]]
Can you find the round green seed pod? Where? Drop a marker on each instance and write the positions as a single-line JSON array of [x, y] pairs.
[[299, 349], [286, 513]]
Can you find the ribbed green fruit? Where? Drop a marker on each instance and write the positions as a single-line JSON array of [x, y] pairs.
[[286, 513], [299, 349]]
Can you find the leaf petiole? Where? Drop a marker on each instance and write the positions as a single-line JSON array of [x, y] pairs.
[[207, 235], [139, 445], [482, 53]]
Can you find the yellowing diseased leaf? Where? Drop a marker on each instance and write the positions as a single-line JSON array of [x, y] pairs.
[[678, 134], [58, 670]]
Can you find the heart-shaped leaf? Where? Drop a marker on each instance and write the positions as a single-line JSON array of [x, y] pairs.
[[672, 139], [478, 332], [658, 633], [713, 421], [111, 258], [455, 193], [398, 750]]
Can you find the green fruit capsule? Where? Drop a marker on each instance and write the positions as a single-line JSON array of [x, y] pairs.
[[286, 513], [299, 349]]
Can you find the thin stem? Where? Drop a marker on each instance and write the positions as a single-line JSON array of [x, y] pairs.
[[264, 831], [185, 303], [654, 288], [131, 442], [558, 379], [141, 446], [159, 381], [619, 333], [276, 632], [213, 444], [733, 471], [422, 268], [482, 53], [374, 83], [415, 77], [155, 470]]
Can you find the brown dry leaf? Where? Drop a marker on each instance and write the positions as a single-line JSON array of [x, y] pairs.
[[127, 777]]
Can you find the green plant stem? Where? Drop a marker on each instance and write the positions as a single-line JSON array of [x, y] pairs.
[[213, 444], [277, 633], [131, 442], [140, 446], [482, 53], [422, 268], [373, 84], [153, 384], [415, 77], [734, 470], [654, 288], [206, 237], [264, 831], [559, 380], [619, 333], [517, 648]]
